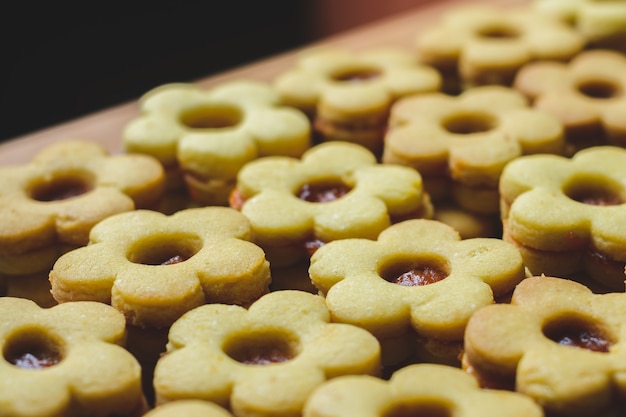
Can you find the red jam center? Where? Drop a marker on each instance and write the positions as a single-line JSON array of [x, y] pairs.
[[35, 361], [32, 350], [322, 192], [578, 334], [594, 191], [599, 89], [414, 274], [261, 349], [424, 409]]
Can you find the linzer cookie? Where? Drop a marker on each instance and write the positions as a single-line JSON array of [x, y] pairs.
[[203, 137], [603, 23], [460, 144], [67, 360], [420, 389], [587, 95], [263, 361], [481, 44], [189, 408], [336, 190], [347, 94], [567, 215], [417, 278], [49, 205], [557, 343]]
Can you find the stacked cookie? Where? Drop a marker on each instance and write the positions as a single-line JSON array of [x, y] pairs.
[[413, 225]]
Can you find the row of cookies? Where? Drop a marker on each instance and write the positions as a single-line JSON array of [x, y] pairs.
[[360, 218]]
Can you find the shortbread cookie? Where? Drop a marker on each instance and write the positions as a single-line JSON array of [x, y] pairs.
[[203, 137], [557, 343], [568, 216], [421, 389], [481, 44], [603, 23], [264, 361], [154, 267], [586, 95], [347, 94], [419, 276], [468, 224], [336, 190], [465, 141], [189, 408], [67, 360]]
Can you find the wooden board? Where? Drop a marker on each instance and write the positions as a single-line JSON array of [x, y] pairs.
[[106, 126]]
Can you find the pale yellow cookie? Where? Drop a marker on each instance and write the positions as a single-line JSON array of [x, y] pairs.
[[336, 190], [421, 389], [557, 343], [67, 360], [568, 215], [482, 44], [264, 361], [588, 96], [347, 94], [418, 276], [188, 408], [203, 137], [467, 140], [154, 267]]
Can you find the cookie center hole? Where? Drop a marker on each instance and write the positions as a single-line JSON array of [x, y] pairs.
[[415, 273], [61, 188], [423, 408], [262, 348], [322, 192], [33, 349], [577, 332], [164, 249], [498, 32], [211, 117], [595, 191], [469, 122], [356, 75], [600, 89]]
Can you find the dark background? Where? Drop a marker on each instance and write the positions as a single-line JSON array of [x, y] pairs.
[[62, 60]]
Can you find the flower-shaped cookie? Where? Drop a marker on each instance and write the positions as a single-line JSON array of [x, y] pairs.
[[603, 23], [66, 361], [264, 361], [336, 191], [154, 267], [421, 389], [588, 96], [488, 45], [57, 197], [211, 134], [419, 274], [568, 214], [468, 138], [563, 346], [188, 408], [349, 93]]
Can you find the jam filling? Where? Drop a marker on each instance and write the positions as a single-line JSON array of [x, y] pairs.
[[358, 76], [414, 274], [266, 357], [579, 335], [425, 408], [164, 249], [60, 189], [39, 360], [599, 89], [173, 260], [261, 349], [323, 192], [592, 193], [32, 350]]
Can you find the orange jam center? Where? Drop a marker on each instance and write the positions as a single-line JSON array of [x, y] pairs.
[[420, 276], [323, 192], [578, 335], [32, 349]]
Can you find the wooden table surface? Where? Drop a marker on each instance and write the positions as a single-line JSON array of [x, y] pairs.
[[106, 126]]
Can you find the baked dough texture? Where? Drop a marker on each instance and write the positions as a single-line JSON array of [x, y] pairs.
[[460, 144], [188, 408], [481, 44], [263, 361], [603, 23], [67, 360], [347, 94], [154, 267], [377, 195], [204, 136], [367, 283], [420, 389], [567, 215], [586, 95], [533, 341]]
